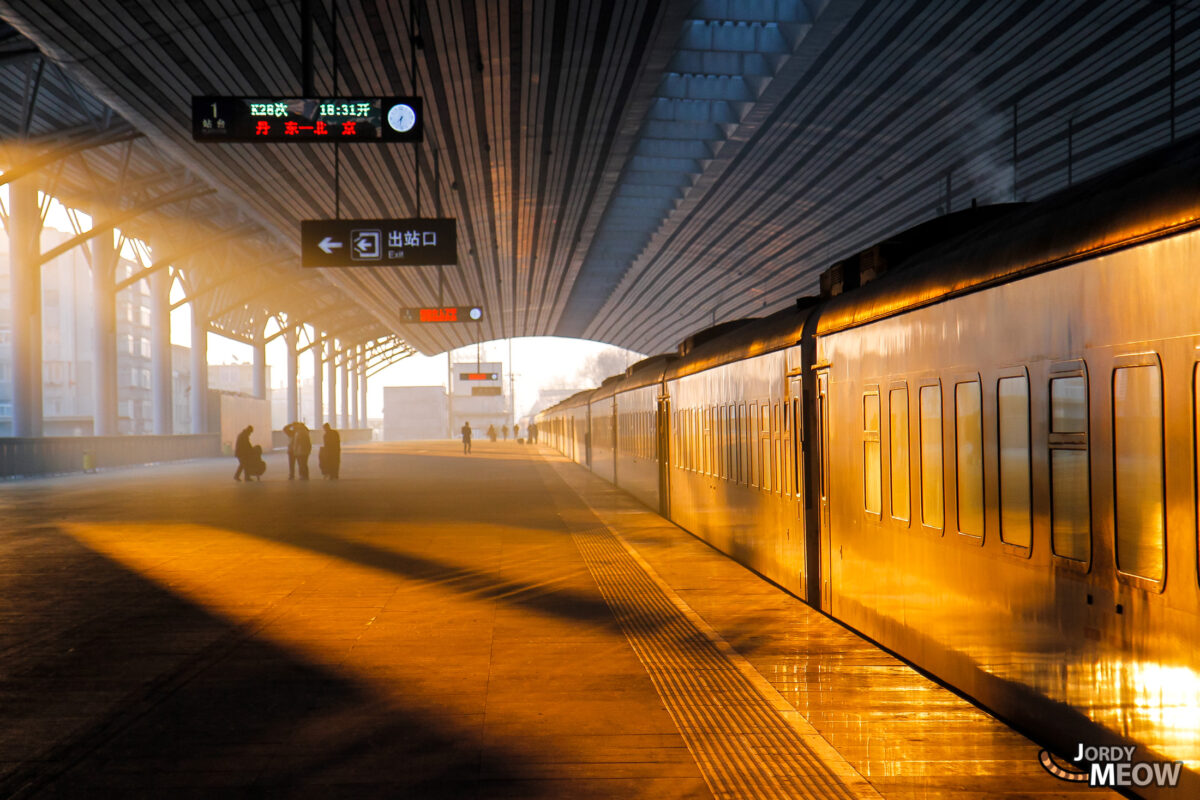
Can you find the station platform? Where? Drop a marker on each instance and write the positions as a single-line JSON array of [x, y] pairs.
[[435, 625]]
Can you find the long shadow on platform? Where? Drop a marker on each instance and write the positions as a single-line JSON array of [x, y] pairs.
[[132, 691]]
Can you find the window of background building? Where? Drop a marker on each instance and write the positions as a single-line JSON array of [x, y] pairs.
[[968, 457], [872, 466], [933, 511], [1012, 402], [1138, 471], [898, 438], [1070, 496]]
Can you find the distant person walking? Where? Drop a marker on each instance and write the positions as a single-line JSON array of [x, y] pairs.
[[516, 432], [491, 434], [466, 437], [533, 433], [330, 456], [299, 448], [504, 431], [244, 452]]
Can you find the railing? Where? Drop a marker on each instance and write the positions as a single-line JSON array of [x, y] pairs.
[[49, 455]]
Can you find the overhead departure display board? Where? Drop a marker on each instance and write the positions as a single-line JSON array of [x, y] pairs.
[[479, 376], [378, 242], [441, 314], [299, 119]]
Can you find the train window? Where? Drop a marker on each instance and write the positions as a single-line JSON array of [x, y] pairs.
[[933, 512], [731, 442], [776, 454], [1012, 401], [1068, 405], [898, 438], [872, 468], [764, 447], [968, 457], [785, 428], [1070, 497], [743, 439], [754, 468], [1138, 471]]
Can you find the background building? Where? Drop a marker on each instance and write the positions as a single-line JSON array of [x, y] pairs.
[[414, 412], [477, 396]]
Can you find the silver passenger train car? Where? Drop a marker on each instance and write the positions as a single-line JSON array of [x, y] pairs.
[[981, 452]]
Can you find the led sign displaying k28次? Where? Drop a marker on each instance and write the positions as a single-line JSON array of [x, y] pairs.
[[266, 120], [378, 242]]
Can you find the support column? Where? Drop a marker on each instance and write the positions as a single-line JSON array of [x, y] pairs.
[[104, 336], [258, 369], [25, 276], [293, 405], [362, 388], [318, 389], [352, 408], [199, 391], [160, 351], [331, 375], [345, 386]]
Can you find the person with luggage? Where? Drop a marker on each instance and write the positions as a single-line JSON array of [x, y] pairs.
[[243, 451]]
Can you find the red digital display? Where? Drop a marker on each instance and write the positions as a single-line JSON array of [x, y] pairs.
[[479, 376], [449, 314]]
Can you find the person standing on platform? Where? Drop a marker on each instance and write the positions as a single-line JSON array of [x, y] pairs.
[[504, 431], [491, 433], [299, 448], [533, 433], [516, 432], [466, 437], [243, 451], [331, 453]]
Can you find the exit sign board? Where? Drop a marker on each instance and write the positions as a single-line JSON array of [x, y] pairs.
[[307, 119], [378, 242], [441, 314]]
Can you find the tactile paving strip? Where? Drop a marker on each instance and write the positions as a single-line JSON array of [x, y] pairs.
[[744, 746]]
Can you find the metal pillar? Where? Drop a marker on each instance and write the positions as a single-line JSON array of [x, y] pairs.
[[345, 386], [293, 405], [160, 351], [318, 389], [258, 369], [331, 375], [26, 293], [362, 388], [104, 335], [199, 391], [352, 408]]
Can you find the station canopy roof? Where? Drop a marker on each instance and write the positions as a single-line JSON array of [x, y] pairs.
[[621, 170]]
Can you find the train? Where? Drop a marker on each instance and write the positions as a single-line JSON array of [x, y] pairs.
[[977, 446]]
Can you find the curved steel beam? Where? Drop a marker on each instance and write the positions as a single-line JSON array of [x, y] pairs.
[[179, 195]]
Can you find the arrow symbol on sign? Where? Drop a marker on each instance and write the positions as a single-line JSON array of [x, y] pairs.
[[328, 244]]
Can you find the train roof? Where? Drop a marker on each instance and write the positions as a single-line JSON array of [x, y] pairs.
[[750, 338], [1148, 198], [646, 372]]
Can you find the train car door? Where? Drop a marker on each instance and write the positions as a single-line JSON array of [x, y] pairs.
[[795, 474], [663, 454], [822, 487]]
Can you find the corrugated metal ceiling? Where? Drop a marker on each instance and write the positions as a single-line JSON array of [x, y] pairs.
[[554, 137]]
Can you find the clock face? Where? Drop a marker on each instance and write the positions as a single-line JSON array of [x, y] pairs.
[[401, 117]]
